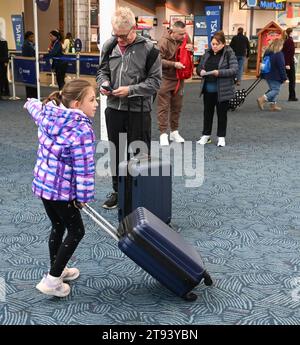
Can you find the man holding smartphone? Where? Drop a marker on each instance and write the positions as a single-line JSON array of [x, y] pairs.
[[124, 78]]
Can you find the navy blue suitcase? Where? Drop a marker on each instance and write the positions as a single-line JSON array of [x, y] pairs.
[[148, 185], [159, 250]]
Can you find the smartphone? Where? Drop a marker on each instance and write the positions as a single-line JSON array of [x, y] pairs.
[[107, 88]]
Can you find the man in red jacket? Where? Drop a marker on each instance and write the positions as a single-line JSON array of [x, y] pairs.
[[169, 103], [289, 56]]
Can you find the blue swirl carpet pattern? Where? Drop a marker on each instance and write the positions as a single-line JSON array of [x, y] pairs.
[[244, 220]]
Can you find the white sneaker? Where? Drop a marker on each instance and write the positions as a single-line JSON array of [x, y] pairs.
[[70, 274], [175, 136], [221, 142], [163, 140], [53, 286], [205, 139]]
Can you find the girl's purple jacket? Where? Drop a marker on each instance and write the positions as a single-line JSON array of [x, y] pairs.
[[65, 167]]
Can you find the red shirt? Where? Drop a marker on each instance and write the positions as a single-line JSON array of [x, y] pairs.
[[122, 48]]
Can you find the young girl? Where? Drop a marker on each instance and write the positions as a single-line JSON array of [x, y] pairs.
[[64, 173]]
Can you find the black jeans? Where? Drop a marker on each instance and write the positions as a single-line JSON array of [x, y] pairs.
[[63, 215], [60, 70], [291, 74], [31, 92], [4, 85], [136, 128], [210, 103]]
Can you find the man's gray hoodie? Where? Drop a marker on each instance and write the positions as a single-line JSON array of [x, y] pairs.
[[129, 69]]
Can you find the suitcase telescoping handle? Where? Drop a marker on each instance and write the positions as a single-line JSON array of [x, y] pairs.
[[102, 222]]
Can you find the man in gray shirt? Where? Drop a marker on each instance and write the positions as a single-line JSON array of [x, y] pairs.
[[128, 82]]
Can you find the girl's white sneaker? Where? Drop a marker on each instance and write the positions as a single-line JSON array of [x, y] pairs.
[[53, 286], [70, 274]]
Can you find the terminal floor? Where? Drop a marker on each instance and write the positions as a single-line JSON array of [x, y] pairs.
[[243, 220]]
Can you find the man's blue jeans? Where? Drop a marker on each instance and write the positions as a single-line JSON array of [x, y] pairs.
[[241, 61], [273, 92]]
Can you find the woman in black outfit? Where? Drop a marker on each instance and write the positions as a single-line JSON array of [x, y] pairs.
[[56, 51], [218, 67], [289, 57]]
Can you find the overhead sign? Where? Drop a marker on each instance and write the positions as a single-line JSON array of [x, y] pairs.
[[271, 5], [43, 5], [251, 3]]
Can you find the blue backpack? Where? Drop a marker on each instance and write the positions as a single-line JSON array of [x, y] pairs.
[[266, 64]]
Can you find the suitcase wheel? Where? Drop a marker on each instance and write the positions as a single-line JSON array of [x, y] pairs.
[[190, 297], [207, 279]]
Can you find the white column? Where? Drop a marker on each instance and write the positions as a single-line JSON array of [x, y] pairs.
[[77, 16], [89, 28], [36, 34], [106, 8]]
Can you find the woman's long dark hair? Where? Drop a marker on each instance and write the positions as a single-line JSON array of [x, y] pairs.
[[57, 34]]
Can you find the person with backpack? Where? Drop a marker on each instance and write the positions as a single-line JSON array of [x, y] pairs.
[[218, 69], [176, 54], [130, 69], [273, 71]]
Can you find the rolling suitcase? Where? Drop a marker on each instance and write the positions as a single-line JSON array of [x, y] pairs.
[[145, 182], [160, 251], [149, 185], [240, 95]]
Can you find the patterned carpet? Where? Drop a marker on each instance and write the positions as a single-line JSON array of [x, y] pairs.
[[244, 220]]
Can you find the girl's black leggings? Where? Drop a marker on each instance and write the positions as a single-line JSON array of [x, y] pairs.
[[63, 215]]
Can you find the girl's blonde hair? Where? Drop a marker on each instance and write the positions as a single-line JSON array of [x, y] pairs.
[[276, 45], [123, 18], [74, 90]]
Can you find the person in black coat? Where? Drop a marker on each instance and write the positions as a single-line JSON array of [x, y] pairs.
[[4, 86], [241, 47], [217, 67], [28, 50], [289, 57]]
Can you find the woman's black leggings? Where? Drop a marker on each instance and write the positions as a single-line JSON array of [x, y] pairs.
[[63, 215], [210, 103]]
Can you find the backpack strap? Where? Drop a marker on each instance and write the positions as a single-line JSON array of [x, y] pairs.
[[151, 57], [106, 55]]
